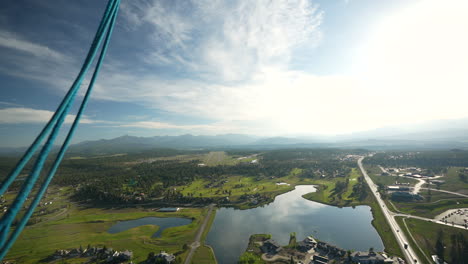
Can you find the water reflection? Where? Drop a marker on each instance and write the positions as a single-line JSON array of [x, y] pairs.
[[345, 227]]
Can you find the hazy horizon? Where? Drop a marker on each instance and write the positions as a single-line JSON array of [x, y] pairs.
[[449, 129], [267, 68]]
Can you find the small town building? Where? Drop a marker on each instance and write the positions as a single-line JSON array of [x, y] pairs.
[[397, 188], [169, 258], [365, 257], [319, 259], [270, 246], [169, 209]]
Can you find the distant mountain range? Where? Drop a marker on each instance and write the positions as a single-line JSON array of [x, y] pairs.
[[443, 139], [433, 135], [131, 143]]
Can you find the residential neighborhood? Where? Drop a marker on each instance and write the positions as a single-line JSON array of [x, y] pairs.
[[312, 251]]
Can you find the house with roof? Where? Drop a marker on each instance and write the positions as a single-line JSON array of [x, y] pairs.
[[307, 244], [169, 258], [367, 257], [169, 209], [319, 260], [270, 246]]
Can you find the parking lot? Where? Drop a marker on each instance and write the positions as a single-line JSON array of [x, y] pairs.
[[457, 216]]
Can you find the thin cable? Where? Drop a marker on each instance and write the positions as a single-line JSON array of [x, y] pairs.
[[75, 86], [64, 147], [14, 209]]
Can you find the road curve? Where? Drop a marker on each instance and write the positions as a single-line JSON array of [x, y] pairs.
[[196, 243], [429, 220], [409, 253]]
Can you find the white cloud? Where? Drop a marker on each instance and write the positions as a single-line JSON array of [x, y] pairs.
[[22, 115], [225, 40], [13, 41], [276, 101], [260, 34], [9, 104], [163, 125], [28, 60], [413, 67]]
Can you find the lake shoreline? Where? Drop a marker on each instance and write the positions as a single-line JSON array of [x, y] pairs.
[[290, 212]]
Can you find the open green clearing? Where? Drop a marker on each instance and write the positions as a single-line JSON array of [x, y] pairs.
[[203, 255], [375, 173], [430, 209], [232, 186], [215, 158], [433, 195], [426, 235], [453, 182], [80, 227], [326, 191], [236, 186]]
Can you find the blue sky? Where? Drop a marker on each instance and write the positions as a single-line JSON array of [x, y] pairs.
[[267, 68]]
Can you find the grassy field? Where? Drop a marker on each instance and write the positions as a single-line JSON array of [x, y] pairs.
[[54, 203], [179, 158], [80, 227], [203, 255], [426, 234], [381, 225], [235, 186], [433, 195], [216, 158], [453, 182], [430, 209], [325, 193], [374, 172]]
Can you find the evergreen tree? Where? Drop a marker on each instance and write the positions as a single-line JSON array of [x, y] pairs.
[[439, 246]]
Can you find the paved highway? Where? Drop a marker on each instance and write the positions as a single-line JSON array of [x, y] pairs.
[[409, 253]]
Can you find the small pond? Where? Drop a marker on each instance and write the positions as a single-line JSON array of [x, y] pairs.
[[162, 222]]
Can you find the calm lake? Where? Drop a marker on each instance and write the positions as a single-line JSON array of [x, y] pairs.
[[162, 222], [348, 228]]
